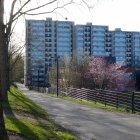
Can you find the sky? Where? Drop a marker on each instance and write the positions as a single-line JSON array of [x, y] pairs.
[[124, 14]]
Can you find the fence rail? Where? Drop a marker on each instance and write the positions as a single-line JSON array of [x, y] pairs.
[[117, 99]]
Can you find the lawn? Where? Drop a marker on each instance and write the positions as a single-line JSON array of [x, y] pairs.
[[25, 118]]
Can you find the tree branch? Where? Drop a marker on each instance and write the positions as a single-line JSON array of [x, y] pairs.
[[58, 7], [21, 8], [8, 26], [13, 51], [41, 6], [16, 59]]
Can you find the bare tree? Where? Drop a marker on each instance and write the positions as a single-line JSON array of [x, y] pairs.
[[73, 73], [15, 59]]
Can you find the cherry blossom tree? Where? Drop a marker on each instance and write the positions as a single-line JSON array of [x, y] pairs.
[[103, 75]]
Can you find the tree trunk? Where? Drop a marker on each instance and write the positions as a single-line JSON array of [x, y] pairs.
[[3, 56], [3, 71], [3, 133]]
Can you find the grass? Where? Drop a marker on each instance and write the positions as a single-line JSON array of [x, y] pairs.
[[32, 121], [21, 104], [93, 104], [25, 128]]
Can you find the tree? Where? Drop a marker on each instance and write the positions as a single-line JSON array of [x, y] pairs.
[[3, 69], [73, 72], [17, 69], [16, 60], [104, 75]]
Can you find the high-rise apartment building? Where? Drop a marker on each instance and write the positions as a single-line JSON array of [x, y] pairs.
[[90, 40], [35, 67], [97, 41], [126, 47], [46, 40], [58, 40]]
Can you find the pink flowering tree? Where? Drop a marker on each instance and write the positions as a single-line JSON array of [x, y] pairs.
[[106, 76]]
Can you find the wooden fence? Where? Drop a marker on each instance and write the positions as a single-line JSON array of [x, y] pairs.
[[130, 101]]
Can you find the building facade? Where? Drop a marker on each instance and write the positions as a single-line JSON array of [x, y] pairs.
[[90, 40], [35, 67], [95, 40], [46, 40]]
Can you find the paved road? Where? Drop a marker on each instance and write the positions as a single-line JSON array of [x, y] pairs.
[[86, 122]]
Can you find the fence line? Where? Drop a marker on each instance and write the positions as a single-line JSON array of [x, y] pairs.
[[128, 100], [117, 99]]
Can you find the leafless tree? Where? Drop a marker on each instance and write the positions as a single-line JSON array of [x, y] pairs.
[[72, 74], [15, 54]]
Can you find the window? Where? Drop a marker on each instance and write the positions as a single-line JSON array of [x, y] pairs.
[[48, 40], [29, 24], [66, 27]]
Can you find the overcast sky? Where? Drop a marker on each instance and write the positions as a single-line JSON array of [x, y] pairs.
[[123, 14]]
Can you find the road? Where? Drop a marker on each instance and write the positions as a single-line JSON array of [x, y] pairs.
[[86, 122]]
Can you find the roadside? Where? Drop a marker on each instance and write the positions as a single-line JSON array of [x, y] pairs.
[[88, 123], [25, 120]]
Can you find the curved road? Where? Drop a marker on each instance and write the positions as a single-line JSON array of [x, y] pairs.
[[86, 122]]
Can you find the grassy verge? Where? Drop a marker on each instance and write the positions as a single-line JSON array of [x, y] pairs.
[[93, 104], [27, 119]]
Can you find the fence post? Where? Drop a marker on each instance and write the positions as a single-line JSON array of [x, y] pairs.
[[105, 98], [133, 97], [95, 93], [117, 100]]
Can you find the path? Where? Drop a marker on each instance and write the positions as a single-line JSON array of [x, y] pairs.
[[86, 122]]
